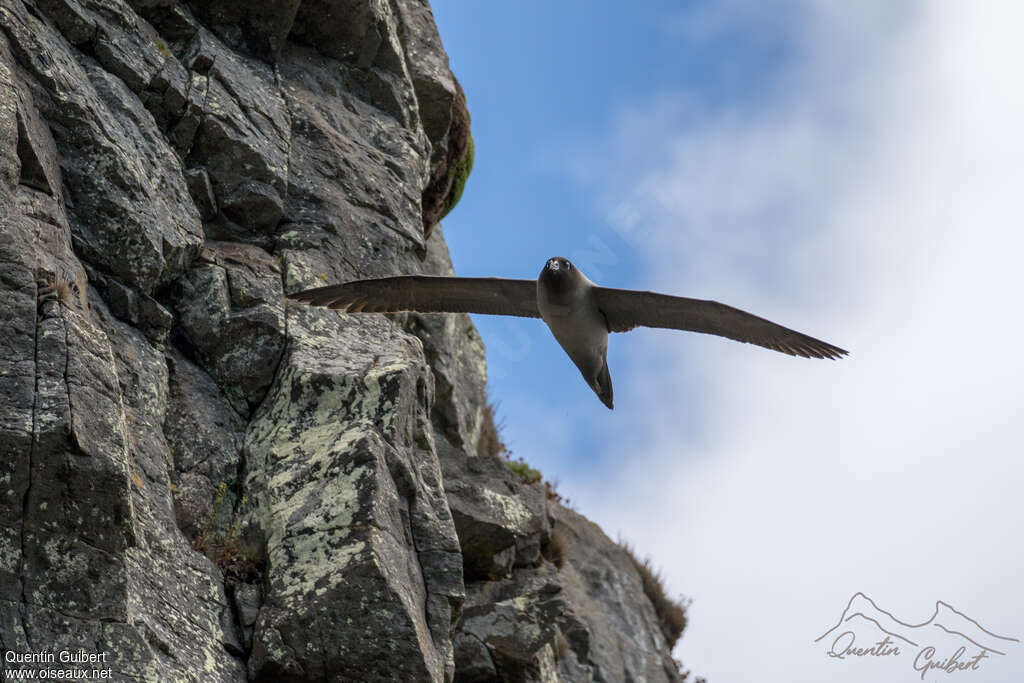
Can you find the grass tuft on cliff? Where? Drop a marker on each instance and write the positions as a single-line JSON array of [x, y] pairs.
[[671, 613], [490, 443], [527, 474], [219, 538], [555, 550]]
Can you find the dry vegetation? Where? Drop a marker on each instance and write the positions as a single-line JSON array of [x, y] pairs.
[[554, 551], [671, 613], [220, 541], [561, 646], [490, 442], [551, 491], [64, 286]]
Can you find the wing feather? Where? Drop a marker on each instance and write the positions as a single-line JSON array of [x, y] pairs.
[[428, 294], [625, 309]]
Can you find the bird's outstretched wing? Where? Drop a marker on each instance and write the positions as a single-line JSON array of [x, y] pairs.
[[625, 309], [428, 294]]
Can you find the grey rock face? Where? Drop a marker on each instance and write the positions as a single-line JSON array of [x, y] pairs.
[[209, 484], [242, 139], [348, 494], [231, 309], [204, 436], [127, 202], [260, 28], [587, 620], [611, 633], [457, 358], [364, 35], [514, 617], [501, 522], [427, 64]]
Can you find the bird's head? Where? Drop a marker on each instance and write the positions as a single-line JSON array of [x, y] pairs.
[[560, 274], [558, 265]]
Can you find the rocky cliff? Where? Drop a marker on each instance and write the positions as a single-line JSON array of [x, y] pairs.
[[201, 483]]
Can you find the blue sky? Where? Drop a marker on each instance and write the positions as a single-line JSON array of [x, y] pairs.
[[543, 81], [852, 170]]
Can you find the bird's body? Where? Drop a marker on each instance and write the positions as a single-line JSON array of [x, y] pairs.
[[579, 313], [565, 299]]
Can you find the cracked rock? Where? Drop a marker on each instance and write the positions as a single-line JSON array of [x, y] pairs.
[[231, 309]]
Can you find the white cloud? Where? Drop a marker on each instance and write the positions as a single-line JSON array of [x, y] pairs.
[[874, 199]]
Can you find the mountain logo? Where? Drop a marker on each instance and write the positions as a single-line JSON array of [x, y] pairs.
[[949, 641]]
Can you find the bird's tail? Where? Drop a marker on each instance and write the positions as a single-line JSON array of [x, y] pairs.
[[602, 386]]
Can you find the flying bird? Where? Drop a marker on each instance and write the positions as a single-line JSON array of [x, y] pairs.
[[579, 313]]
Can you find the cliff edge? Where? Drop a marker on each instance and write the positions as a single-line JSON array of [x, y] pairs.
[[201, 483]]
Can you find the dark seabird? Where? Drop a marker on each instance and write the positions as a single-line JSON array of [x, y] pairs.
[[579, 313]]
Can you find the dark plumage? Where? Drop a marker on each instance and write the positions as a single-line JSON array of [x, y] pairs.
[[579, 313]]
